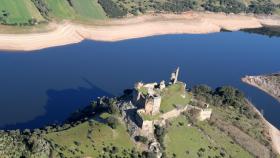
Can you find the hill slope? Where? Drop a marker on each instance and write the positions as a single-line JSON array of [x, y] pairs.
[[19, 12]]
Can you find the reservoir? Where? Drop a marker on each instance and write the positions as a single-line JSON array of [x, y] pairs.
[[45, 86]]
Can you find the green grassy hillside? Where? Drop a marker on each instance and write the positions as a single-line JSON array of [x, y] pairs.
[[184, 141], [77, 9], [92, 138], [234, 130], [30, 12], [18, 12], [89, 9], [60, 9]]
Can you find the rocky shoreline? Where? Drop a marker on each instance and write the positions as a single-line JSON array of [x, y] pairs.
[[267, 83]]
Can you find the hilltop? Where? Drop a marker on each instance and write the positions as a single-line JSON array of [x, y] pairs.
[[164, 119]]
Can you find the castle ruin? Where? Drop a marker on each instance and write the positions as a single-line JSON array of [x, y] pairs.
[[148, 98], [148, 95]]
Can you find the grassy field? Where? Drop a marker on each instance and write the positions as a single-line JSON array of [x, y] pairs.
[[18, 11], [253, 127], [85, 9], [187, 141], [89, 9], [60, 9], [224, 141], [251, 132], [174, 95], [79, 141]]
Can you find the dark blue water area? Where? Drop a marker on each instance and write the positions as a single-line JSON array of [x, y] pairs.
[[45, 86]]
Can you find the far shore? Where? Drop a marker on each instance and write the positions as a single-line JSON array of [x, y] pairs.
[[67, 32], [245, 80]]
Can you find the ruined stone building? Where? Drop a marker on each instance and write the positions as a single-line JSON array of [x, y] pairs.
[[148, 99], [147, 96], [152, 104]]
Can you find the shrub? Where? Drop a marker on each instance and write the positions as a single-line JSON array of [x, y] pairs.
[[149, 155], [112, 122], [111, 9], [114, 150], [77, 143], [160, 132], [141, 139], [262, 7], [42, 7], [227, 6]]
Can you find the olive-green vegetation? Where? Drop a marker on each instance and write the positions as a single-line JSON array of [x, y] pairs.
[[112, 9], [184, 141], [233, 114], [19, 12], [223, 140], [14, 144], [88, 9], [60, 9], [92, 138], [147, 117], [143, 90], [174, 95], [228, 6], [76, 9], [98, 130]]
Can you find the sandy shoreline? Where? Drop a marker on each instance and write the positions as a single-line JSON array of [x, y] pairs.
[[136, 27]]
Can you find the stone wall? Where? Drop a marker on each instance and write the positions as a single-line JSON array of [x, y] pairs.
[[204, 114], [147, 129]]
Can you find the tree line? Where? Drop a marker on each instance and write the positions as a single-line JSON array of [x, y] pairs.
[[178, 6]]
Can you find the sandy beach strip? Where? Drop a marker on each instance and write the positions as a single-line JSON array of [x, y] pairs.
[[134, 27]]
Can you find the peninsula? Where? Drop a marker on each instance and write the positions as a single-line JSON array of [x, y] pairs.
[[154, 120], [267, 83]]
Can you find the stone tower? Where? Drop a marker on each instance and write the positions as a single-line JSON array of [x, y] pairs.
[[152, 105], [174, 76], [162, 85]]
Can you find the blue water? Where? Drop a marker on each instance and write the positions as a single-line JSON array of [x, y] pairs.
[[45, 86]]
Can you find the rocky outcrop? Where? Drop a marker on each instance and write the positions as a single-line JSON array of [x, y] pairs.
[[268, 83]]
